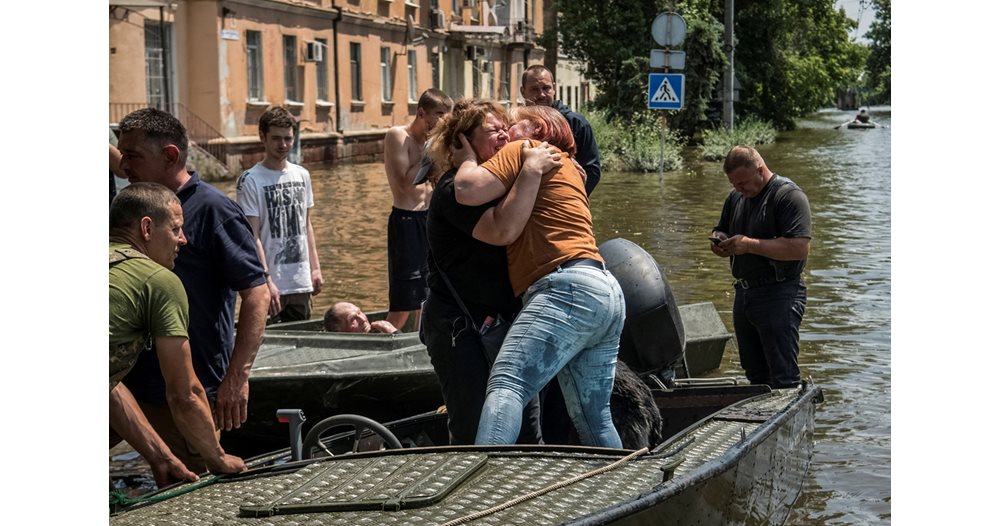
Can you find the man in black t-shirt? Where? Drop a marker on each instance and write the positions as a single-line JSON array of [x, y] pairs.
[[765, 230]]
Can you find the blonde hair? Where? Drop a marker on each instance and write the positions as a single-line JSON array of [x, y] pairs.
[[466, 116]]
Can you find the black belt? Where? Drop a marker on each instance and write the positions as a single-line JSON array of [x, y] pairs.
[[587, 262], [760, 282]]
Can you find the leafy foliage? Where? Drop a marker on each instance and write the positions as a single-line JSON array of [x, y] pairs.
[[752, 131], [790, 55], [634, 144], [612, 37], [878, 68]]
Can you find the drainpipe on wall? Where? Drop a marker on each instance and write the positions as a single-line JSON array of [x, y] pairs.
[[336, 70]]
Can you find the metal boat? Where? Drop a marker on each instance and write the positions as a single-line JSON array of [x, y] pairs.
[[387, 377], [734, 454]]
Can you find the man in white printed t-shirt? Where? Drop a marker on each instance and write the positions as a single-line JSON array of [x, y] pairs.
[[276, 196]]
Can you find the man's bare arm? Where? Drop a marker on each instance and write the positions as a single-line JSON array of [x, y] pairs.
[[128, 420], [399, 167], [234, 391], [189, 405]]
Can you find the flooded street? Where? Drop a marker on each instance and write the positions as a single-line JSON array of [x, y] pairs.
[[846, 330]]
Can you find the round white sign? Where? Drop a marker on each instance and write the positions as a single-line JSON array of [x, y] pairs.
[[669, 29]]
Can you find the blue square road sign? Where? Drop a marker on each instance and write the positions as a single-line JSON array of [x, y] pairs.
[[666, 91]]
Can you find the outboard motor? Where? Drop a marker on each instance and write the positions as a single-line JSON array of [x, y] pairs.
[[653, 337]]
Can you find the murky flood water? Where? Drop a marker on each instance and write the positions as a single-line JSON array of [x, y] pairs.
[[846, 330]]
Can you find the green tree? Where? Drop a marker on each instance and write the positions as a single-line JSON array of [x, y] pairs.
[[612, 37], [878, 69], [790, 54]]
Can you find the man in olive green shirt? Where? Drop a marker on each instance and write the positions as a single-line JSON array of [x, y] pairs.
[[147, 303]]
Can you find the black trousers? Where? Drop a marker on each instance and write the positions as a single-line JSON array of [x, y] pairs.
[[462, 370], [766, 320]]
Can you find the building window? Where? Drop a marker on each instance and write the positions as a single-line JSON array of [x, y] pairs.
[[322, 73], [290, 46], [492, 77], [435, 72], [516, 89], [356, 71], [255, 73], [386, 75], [411, 70], [477, 74], [157, 78]]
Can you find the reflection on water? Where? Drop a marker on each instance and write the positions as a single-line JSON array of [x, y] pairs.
[[846, 330]]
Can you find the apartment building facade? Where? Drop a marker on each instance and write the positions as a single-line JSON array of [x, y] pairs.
[[347, 69]]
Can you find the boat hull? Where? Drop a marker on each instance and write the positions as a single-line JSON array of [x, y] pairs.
[[386, 377], [744, 463], [756, 482]]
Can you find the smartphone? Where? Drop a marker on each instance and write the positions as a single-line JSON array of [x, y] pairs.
[[715, 240]]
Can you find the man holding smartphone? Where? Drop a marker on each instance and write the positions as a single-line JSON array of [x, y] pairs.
[[765, 231]]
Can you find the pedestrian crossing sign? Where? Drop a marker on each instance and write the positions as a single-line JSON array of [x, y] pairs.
[[666, 91]]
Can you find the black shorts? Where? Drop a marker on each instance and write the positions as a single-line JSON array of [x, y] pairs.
[[407, 240]]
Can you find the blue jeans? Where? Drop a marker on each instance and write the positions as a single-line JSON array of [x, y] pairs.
[[766, 321], [462, 370], [570, 326]]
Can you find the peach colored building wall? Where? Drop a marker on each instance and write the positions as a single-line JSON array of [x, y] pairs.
[[210, 72]]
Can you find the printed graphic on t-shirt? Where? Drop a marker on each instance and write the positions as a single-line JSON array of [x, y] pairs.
[[285, 204]]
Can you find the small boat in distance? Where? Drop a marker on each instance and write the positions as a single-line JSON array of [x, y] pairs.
[[861, 125]]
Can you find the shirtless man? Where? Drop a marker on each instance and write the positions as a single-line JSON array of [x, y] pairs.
[[407, 227]]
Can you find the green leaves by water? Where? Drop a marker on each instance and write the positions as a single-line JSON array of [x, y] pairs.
[[634, 144], [752, 131]]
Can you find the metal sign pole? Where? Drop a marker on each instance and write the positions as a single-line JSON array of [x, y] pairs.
[[663, 134], [668, 30]]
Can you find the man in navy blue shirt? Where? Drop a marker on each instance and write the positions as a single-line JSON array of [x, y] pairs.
[[219, 260], [537, 87]]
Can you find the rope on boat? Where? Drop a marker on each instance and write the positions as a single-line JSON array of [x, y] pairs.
[[119, 500], [537, 493]]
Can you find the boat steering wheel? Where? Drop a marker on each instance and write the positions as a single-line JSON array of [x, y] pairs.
[[360, 423]]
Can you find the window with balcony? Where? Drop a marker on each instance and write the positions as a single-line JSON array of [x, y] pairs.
[[255, 72]]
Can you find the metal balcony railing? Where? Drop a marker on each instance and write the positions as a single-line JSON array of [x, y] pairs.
[[199, 132]]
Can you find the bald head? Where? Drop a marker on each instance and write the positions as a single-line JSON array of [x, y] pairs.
[[344, 316], [746, 171]]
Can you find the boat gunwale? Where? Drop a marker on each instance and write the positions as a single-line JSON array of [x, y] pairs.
[[810, 394]]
